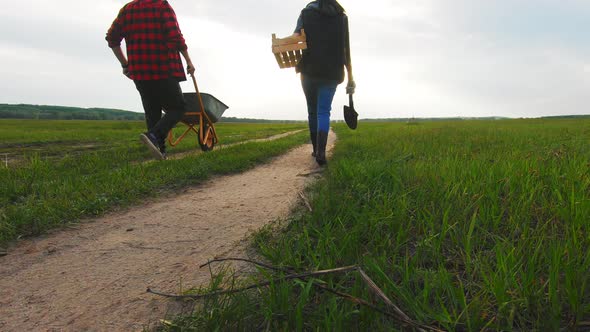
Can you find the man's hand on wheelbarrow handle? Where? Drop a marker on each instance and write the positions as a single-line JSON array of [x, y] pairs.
[[190, 69]]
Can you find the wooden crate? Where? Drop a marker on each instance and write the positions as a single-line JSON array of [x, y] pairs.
[[288, 51]]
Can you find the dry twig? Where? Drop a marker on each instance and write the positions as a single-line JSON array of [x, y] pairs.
[[365, 303], [259, 285], [305, 201], [397, 313], [270, 267], [373, 287]]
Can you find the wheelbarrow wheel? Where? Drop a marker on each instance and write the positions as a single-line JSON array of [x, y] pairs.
[[209, 141]]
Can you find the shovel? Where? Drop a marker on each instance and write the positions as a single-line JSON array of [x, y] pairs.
[[350, 115]]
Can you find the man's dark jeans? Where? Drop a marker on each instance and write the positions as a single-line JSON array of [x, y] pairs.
[[161, 95]]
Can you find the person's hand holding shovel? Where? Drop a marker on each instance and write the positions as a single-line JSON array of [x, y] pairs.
[[350, 114], [350, 87]]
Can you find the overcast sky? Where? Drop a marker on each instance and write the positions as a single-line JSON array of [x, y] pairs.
[[421, 58]]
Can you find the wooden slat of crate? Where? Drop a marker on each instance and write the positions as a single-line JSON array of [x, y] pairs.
[[288, 51], [298, 55], [290, 58], [287, 48], [289, 40], [279, 58]]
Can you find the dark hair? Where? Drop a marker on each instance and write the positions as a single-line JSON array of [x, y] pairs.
[[333, 3]]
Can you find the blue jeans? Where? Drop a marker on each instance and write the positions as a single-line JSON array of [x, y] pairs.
[[319, 95]]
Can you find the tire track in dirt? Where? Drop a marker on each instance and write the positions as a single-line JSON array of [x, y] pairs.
[[182, 155], [93, 276]]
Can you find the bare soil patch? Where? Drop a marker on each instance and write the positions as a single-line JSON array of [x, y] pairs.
[[93, 277]]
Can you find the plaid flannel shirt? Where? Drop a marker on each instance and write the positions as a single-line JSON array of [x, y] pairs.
[[153, 39]]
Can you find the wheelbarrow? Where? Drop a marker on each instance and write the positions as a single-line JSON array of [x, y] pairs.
[[202, 110]]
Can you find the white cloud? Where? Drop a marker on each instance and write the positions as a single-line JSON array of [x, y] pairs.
[[416, 10], [419, 58]]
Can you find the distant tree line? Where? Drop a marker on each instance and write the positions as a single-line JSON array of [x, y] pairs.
[[246, 120], [44, 112], [582, 116]]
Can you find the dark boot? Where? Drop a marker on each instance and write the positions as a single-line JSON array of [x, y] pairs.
[[314, 139], [322, 141]]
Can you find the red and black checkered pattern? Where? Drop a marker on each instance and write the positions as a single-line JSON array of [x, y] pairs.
[[153, 40]]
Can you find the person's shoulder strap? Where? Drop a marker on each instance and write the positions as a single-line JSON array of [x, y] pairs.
[[346, 35]]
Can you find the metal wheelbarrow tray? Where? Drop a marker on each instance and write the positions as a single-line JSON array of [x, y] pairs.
[[202, 110], [213, 107]]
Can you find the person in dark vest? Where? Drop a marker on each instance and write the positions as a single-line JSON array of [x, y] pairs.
[[154, 43], [322, 66]]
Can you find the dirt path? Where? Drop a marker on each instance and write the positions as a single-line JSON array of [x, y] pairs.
[[93, 277], [182, 155]]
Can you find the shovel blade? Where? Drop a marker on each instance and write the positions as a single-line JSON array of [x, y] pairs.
[[350, 117]]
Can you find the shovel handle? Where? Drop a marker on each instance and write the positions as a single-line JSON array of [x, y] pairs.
[[350, 101]]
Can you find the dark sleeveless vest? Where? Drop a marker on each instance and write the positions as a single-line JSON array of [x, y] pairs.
[[324, 57]]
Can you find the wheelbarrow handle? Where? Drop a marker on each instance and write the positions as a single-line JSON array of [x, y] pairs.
[[201, 105], [198, 94]]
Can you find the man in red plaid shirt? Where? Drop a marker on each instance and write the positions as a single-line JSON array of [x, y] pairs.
[[154, 41]]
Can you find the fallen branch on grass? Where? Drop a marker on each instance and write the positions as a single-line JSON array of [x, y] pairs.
[[270, 267], [259, 285], [373, 287], [397, 313], [359, 301]]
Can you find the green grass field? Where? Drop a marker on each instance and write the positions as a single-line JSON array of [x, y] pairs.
[[62, 171], [20, 139], [465, 226]]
